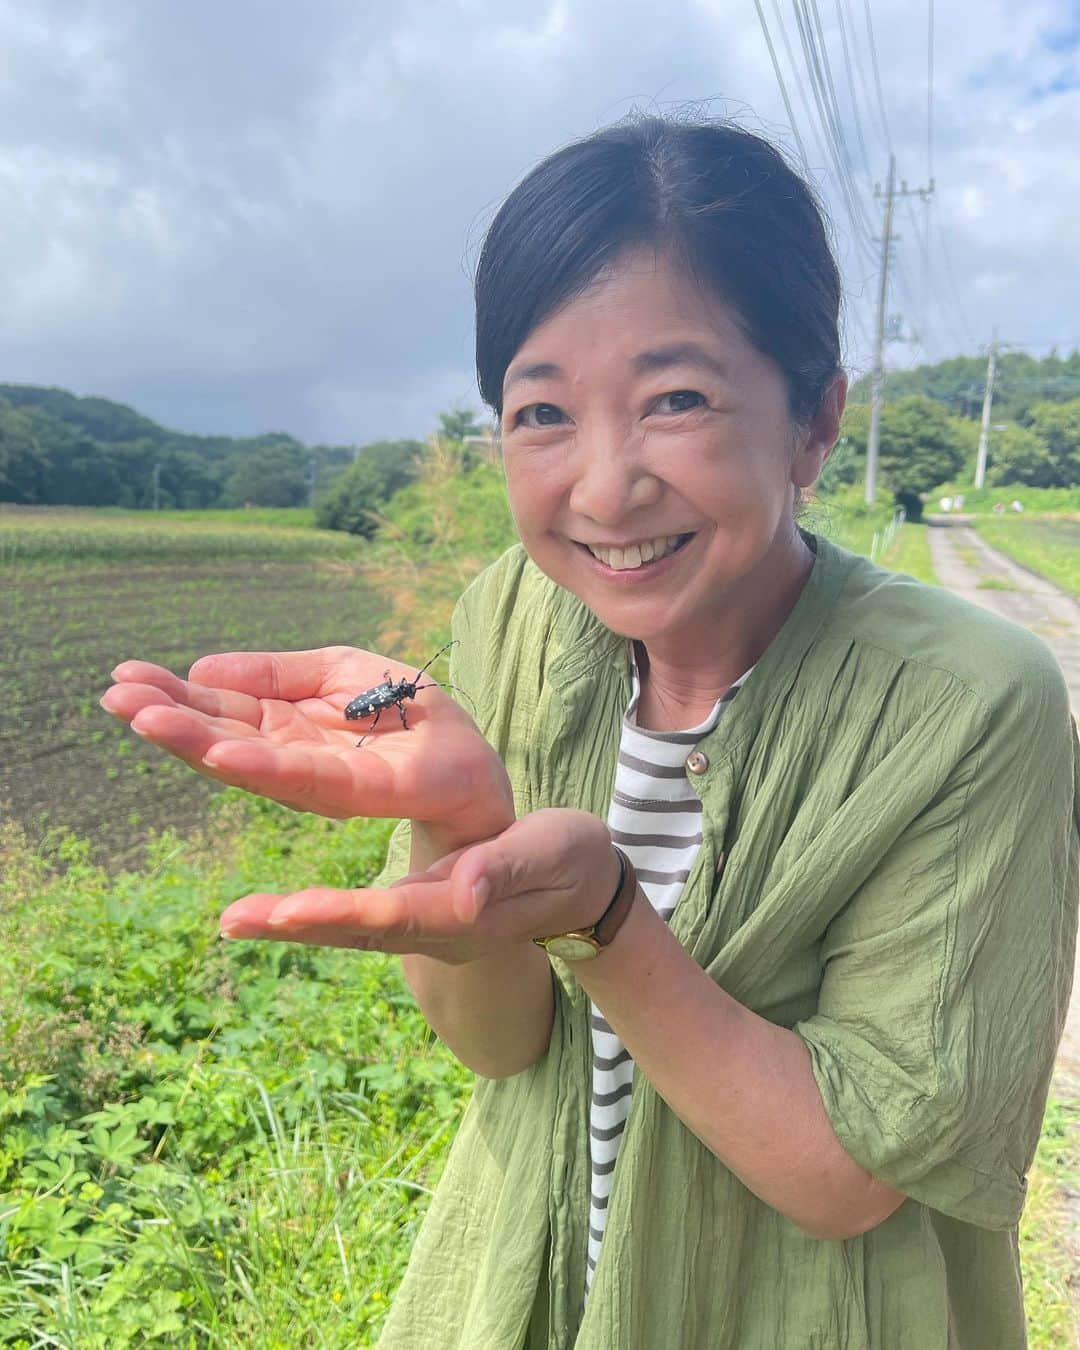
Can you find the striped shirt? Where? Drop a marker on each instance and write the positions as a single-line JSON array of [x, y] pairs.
[[655, 818]]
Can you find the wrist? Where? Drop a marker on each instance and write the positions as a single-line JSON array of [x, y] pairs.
[[438, 838]]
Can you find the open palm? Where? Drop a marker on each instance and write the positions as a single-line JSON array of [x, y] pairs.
[[273, 723]]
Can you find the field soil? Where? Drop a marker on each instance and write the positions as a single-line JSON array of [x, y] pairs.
[[969, 567], [67, 765]]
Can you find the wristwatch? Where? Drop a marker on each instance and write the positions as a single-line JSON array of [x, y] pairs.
[[583, 944]]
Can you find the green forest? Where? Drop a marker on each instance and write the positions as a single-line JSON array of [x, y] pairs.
[[57, 449]]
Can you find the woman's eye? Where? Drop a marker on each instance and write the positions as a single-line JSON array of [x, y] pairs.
[[539, 415], [681, 400]]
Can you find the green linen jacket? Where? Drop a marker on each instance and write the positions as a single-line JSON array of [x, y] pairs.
[[889, 868]]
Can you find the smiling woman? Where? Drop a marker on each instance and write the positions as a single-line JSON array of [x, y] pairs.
[[749, 887]]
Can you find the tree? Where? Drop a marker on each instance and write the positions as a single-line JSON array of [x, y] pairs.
[[846, 462], [921, 446], [457, 423], [1018, 455], [1058, 426], [24, 466], [273, 475], [379, 470]]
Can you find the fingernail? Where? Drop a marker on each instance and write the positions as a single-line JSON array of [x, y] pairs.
[[481, 892], [277, 918], [226, 932]]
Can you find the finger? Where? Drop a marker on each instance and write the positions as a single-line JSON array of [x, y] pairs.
[[284, 675], [127, 700], [185, 733], [549, 852], [439, 870], [308, 778], [214, 702], [420, 912], [248, 919]]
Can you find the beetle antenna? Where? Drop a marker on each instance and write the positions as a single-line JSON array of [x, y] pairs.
[[434, 659], [439, 684]]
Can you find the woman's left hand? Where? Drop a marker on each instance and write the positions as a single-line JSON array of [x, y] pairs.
[[550, 872]]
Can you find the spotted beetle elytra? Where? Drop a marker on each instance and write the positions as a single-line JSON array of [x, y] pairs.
[[392, 694]]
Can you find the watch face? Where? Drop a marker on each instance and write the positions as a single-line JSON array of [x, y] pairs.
[[571, 948]]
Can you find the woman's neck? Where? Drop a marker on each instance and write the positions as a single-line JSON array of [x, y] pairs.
[[680, 681]]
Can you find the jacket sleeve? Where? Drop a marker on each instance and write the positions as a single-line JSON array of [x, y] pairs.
[[947, 976]]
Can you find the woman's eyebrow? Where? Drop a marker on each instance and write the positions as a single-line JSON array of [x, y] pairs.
[[656, 358], [539, 370], [679, 354]]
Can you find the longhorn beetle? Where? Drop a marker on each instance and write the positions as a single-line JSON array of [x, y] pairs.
[[392, 694]]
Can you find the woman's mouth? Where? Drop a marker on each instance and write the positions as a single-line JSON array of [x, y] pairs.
[[636, 557]]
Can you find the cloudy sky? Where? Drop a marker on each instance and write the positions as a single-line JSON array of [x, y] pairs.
[[252, 216]]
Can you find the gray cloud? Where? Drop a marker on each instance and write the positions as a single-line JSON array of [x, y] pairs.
[[252, 216]]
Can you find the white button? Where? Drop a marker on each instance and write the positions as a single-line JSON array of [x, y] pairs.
[[696, 762]]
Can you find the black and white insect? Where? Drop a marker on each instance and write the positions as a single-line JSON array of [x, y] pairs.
[[392, 694]]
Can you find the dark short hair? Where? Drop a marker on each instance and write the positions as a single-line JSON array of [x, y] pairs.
[[724, 200]]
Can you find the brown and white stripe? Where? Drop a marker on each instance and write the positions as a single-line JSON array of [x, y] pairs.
[[655, 816]]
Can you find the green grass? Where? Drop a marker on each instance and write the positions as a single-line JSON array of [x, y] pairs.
[[982, 500], [206, 1143], [40, 536], [1051, 1283], [910, 553], [1049, 546]]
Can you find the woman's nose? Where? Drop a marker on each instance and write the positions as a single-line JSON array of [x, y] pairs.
[[610, 483]]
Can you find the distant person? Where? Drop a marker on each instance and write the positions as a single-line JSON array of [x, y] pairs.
[[745, 877], [1017, 505], [958, 501], [946, 503], [999, 508]]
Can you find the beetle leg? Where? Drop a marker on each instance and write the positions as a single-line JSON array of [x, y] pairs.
[[370, 729], [401, 710]]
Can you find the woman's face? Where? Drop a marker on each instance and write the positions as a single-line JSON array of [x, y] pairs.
[[650, 457]]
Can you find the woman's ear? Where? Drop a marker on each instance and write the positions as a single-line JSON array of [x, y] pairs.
[[822, 433]]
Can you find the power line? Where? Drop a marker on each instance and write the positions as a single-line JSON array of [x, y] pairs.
[[824, 145], [799, 83], [830, 133], [877, 74], [930, 91], [780, 82], [851, 90], [860, 64], [951, 278]]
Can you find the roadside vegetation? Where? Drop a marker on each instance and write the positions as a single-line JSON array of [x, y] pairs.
[[218, 1144], [1050, 547]]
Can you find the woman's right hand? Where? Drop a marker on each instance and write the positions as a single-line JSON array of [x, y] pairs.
[[273, 723]]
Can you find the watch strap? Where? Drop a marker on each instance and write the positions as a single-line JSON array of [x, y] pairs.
[[601, 933], [613, 918]]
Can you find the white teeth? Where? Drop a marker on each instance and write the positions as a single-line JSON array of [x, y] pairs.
[[626, 559]]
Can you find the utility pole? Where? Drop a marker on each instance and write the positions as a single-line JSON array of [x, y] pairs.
[[878, 381], [988, 399]]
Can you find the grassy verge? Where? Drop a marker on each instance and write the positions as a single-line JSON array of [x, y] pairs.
[[910, 553], [1049, 546], [206, 1143], [981, 501], [1051, 1279]]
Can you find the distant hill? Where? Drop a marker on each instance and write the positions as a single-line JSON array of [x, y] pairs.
[[959, 383], [59, 449]]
